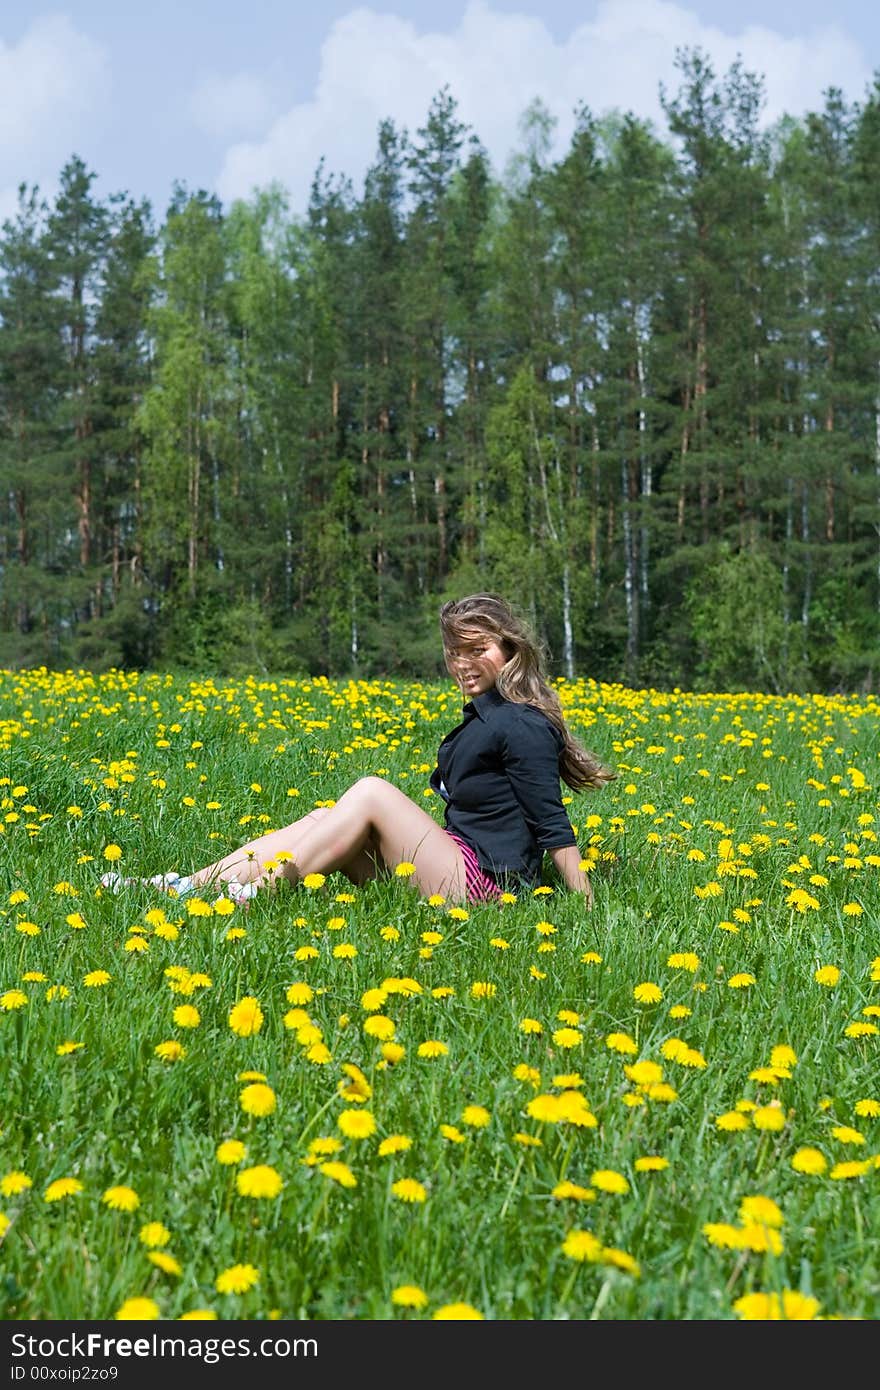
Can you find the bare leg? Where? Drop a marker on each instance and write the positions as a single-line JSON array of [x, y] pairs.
[[372, 824], [376, 818], [246, 864]]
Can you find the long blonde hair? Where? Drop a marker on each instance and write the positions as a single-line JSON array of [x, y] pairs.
[[521, 679]]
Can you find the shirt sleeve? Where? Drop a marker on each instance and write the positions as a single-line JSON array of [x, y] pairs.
[[531, 761]]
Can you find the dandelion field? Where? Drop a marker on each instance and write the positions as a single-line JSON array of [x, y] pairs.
[[345, 1103]]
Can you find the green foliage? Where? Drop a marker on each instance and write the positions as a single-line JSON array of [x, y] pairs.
[[735, 611], [582, 383]]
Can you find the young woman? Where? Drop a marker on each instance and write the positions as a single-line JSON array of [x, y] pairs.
[[498, 773]]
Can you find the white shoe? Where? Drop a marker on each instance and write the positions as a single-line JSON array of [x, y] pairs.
[[173, 883], [240, 892], [113, 882]]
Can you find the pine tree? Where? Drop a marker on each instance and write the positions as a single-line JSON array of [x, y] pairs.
[[77, 234], [32, 478]]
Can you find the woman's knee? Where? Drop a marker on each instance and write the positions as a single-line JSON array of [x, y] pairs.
[[369, 790]]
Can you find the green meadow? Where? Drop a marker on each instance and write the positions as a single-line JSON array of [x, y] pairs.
[[343, 1103]]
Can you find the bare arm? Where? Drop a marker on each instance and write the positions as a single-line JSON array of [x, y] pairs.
[[568, 861]]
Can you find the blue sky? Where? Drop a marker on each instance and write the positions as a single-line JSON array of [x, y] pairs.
[[228, 96]]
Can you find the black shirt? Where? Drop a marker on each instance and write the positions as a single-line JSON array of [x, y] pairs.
[[498, 772]]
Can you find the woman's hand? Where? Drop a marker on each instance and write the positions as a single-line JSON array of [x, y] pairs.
[[571, 866]]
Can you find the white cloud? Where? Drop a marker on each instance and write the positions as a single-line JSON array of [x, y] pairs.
[[232, 106], [53, 79], [378, 65]]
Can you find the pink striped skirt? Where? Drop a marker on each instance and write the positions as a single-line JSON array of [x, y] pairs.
[[480, 887]]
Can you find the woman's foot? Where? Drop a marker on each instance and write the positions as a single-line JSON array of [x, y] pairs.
[[172, 883]]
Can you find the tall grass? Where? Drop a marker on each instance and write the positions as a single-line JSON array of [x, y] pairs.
[[735, 862]]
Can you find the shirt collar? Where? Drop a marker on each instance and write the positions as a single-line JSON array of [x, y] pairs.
[[485, 704]]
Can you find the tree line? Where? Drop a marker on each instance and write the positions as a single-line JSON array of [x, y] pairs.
[[636, 388]]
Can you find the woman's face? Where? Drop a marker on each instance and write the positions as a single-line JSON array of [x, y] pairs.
[[475, 662]]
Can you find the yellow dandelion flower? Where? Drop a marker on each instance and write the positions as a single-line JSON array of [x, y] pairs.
[[246, 1017], [567, 1038], [61, 1188], [768, 1307], [170, 1051], [731, 1121], [477, 1116], [154, 1235], [861, 1030], [761, 1239], [11, 1184], [644, 1072], [453, 1134], [783, 1056], [528, 1141], [867, 1109], [827, 975], [394, 1144], [483, 989], [258, 1099], [621, 1042], [647, 993], [314, 881], [566, 1190], [855, 1168], [339, 1173], [621, 1259], [741, 981], [651, 1163], [661, 1092], [409, 1296], [760, 1210], [607, 1180], [404, 869], [545, 1108], [432, 1048], [259, 1181], [844, 1134], [768, 1117], [722, 1235], [237, 1279], [162, 1260], [121, 1199], [356, 1124], [380, 1026], [409, 1190], [300, 993], [581, 1246], [197, 907], [684, 960], [457, 1312], [137, 1310], [187, 1016]]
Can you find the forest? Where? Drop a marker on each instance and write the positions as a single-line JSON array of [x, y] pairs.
[[635, 388]]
